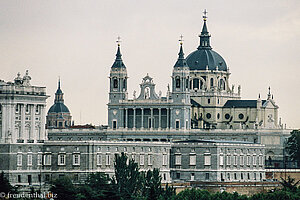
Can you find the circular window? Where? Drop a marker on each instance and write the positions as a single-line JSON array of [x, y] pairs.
[[218, 116], [208, 115], [227, 116], [241, 116]]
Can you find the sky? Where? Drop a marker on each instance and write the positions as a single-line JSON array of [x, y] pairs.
[[76, 41]]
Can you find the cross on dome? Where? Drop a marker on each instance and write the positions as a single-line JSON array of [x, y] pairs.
[[181, 39], [205, 16], [118, 41]]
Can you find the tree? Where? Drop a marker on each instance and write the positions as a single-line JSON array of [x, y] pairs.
[[97, 187], [4, 184], [63, 188], [128, 180], [293, 146], [289, 184], [152, 185]]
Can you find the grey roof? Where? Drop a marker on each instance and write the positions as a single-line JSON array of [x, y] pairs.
[[214, 141], [242, 103], [194, 103], [59, 108], [204, 57], [118, 61], [199, 59], [181, 62]]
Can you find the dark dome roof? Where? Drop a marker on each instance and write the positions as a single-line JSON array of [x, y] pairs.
[[58, 108], [199, 59]]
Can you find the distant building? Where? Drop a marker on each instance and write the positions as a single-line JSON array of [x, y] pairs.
[[59, 115]]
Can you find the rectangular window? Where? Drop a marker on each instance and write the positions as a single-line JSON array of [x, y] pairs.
[[61, 159], [114, 124], [149, 160], [221, 160], [248, 160], [206, 176], [228, 160], [178, 160], [47, 177], [107, 159], [39, 159], [19, 179], [99, 159], [235, 160], [192, 176], [47, 159], [39, 178], [142, 159], [254, 160], [260, 160], [177, 124], [19, 160], [207, 160], [241, 160], [165, 159], [29, 179], [177, 175], [192, 159], [29, 159], [76, 159]]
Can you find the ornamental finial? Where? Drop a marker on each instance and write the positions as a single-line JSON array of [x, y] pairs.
[[118, 41], [181, 39], [205, 15]]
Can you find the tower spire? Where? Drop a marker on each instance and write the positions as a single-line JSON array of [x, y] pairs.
[[181, 62], [204, 36], [118, 61]]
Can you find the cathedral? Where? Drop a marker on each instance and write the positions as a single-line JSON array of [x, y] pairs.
[[200, 98], [200, 131]]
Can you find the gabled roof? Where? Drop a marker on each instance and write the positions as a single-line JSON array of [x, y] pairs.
[[242, 103]]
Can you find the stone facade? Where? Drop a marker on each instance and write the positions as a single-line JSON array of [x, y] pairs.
[[22, 111]]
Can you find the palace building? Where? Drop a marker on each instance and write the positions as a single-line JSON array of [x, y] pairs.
[[200, 131]]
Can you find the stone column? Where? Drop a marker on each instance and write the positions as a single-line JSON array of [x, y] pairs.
[[171, 118], [134, 116], [142, 120], [159, 118], [151, 119], [126, 116], [13, 133], [43, 133], [32, 124], [23, 107], [167, 118]]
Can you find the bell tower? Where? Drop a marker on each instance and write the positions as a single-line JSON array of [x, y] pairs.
[[118, 78], [180, 114]]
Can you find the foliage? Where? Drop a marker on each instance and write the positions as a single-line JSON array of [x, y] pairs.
[[128, 180], [293, 146], [289, 184], [64, 188], [4, 184]]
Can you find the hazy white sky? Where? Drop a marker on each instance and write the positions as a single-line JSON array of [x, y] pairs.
[[259, 40]]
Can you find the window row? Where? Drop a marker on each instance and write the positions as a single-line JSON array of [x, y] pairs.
[[243, 160], [193, 159]]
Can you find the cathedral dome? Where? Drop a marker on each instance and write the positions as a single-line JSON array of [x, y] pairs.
[[58, 108], [205, 57]]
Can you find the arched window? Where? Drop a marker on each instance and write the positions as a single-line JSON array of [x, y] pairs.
[[222, 84], [211, 82], [177, 82], [187, 82], [124, 83], [115, 83], [196, 83], [201, 85]]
